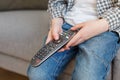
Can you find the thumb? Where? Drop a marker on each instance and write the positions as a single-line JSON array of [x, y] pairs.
[[56, 32], [55, 35]]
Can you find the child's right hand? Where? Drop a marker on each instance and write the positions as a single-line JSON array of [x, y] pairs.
[[55, 29]]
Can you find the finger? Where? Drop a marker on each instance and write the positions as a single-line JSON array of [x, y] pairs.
[[78, 42], [73, 40], [78, 26], [55, 36], [61, 50], [56, 32], [49, 37], [71, 43], [66, 48], [48, 40]]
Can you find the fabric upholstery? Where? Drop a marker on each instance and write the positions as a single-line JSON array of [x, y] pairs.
[[13, 64], [22, 32], [22, 4]]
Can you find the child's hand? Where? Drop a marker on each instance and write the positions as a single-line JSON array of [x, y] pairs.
[[88, 30], [55, 29]]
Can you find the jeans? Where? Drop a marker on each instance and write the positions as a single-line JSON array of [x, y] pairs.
[[93, 59]]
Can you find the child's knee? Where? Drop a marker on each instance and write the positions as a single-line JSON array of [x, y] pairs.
[[37, 74]]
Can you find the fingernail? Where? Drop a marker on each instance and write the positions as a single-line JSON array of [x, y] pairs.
[[67, 48], [56, 38]]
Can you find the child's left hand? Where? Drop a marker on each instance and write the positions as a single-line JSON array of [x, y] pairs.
[[87, 30]]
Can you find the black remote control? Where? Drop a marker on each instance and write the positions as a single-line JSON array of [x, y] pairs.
[[50, 48]]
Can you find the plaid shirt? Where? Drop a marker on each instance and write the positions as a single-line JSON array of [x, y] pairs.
[[108, 9]]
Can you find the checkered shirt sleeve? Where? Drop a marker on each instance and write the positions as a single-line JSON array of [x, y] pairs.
[[56, 8], [112, 15]]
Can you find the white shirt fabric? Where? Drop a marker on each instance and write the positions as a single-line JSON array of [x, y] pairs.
[[83, 10]]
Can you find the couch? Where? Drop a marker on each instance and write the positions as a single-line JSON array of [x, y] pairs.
[[23, 26]]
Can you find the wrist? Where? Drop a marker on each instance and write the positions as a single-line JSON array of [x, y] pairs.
[[57, 20], [105, 23]]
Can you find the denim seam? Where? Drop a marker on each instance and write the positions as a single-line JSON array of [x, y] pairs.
[[98, 57], [116, 49], [113, 55], [105, 62], [55, 59], [101, 59], [57, 66], [107, 70]]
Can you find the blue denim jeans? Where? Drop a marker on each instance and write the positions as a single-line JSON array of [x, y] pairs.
[[93, 59]]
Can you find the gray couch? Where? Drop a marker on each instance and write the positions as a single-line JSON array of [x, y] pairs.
[[23, 26]]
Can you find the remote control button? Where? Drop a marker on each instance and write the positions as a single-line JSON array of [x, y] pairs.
[[67, 37], [57, 41], [61, 37]]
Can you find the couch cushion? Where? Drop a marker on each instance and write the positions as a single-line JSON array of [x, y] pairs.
[[22, 4], [22, 32]]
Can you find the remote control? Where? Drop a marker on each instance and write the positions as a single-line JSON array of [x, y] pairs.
[[50, 48]]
